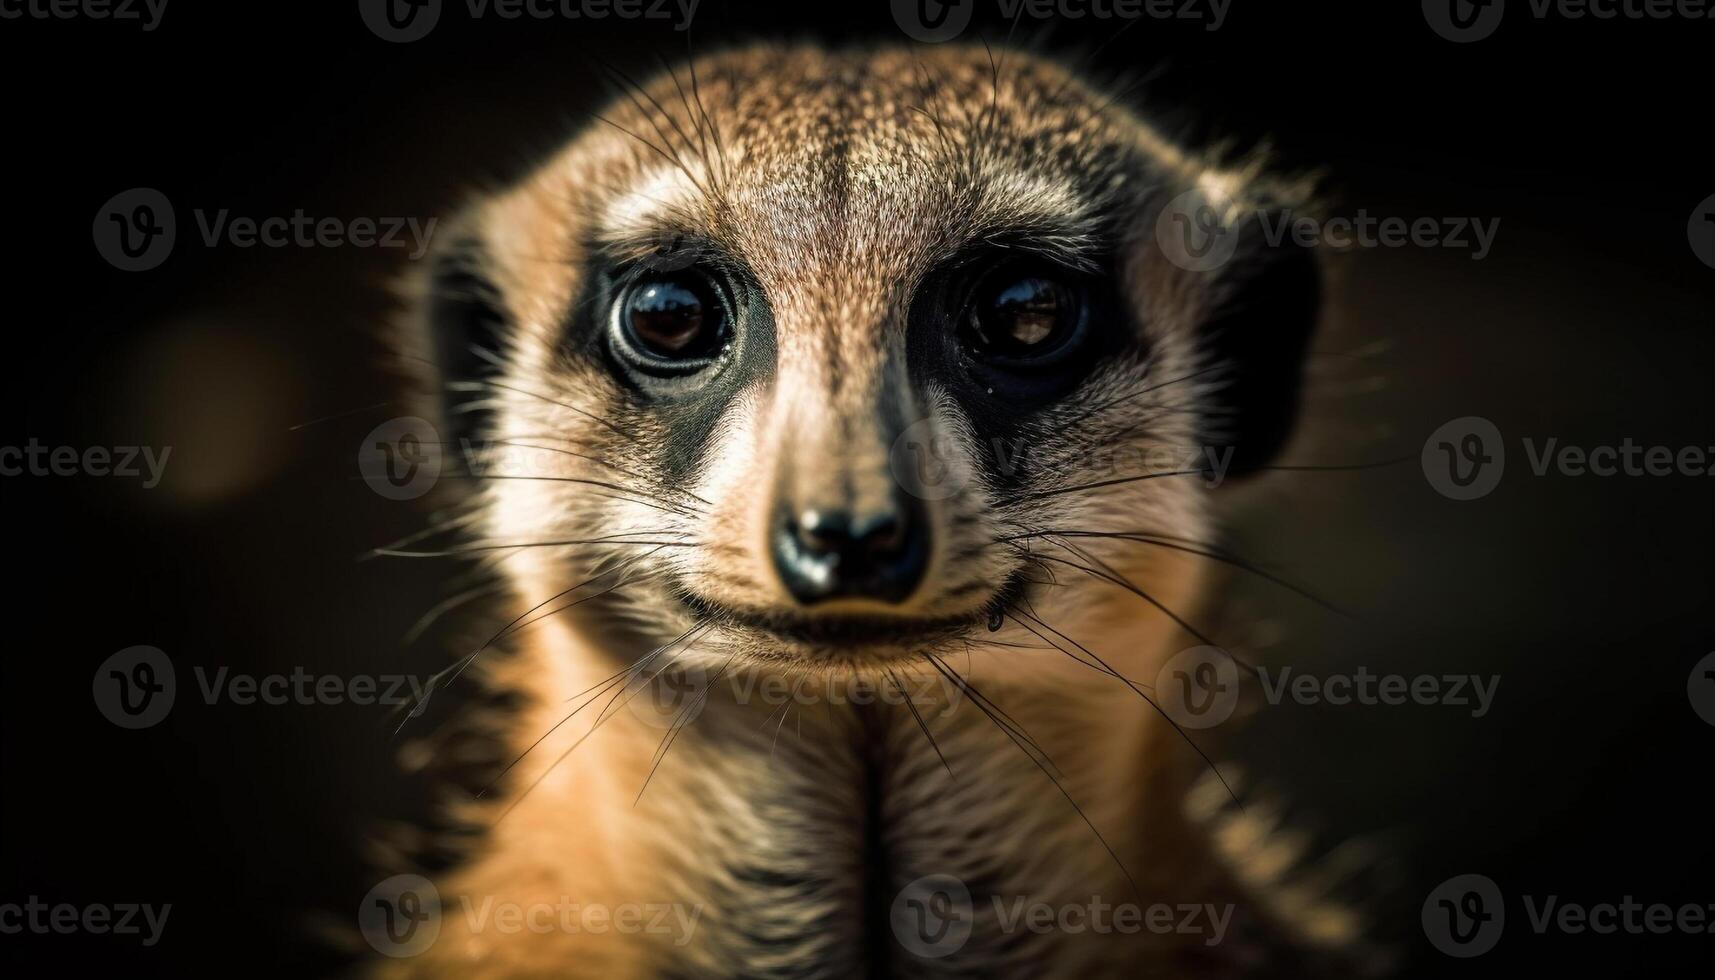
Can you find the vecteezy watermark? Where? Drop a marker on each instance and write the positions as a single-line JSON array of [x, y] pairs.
[[933, 917], [147, 13], [675, 695], [403, 458], [400, 459], [402, 21], [137, 687], [124, 462], [1199, 688], [1465, 458], [1700, 688], [1464, 917], [1365, 230], [934, 21], [1125, 918], [1701, 231], [403, 916], [65, 919], [136, 230], [1199, 236], [1464, 21], [930, 465], [1195, 235]]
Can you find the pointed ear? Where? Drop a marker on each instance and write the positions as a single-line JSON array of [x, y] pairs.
[[455, 332], [1263, 309], [1250, 295]]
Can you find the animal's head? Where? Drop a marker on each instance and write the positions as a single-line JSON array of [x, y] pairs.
[[846, 356]]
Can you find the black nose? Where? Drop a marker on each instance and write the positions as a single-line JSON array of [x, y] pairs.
[[827, 554]]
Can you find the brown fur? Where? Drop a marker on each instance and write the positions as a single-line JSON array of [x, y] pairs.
[[841, 179]]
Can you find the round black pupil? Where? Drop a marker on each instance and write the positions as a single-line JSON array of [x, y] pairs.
[[1024, 314], [666, 316]]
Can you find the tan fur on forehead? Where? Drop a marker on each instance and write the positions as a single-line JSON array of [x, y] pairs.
[[855, 166], [989, 139]]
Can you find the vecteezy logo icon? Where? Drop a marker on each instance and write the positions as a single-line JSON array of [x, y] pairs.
[[1465, 916], [671, 696], [933, 21], [134, 688], [401, 916], [134, 230], [1194, 235], [400, 459], [1464, 21], [1198, 688], [1701, 689], [924, 463], [932, 916], [400, 21], [1465, 458], [1702, 231]]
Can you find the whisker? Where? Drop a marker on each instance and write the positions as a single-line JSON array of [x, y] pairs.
[[602, 462], [599, 689], [783, 710], [485, 548], [512, 627], [686, 716], [651, 501], [1110, 671], [337, 415], [489, 383], [906, 697], [605, 714], [1164, 541], [977, 697], [650, 117], [584, 456], [948, 671], [1043, 494], [439, 527], [445, 606], [1129, 587]]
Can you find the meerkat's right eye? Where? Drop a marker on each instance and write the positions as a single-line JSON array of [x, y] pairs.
[[1024, 313], [671, 321]]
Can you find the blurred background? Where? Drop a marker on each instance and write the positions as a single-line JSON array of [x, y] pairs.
[[1588, 321]]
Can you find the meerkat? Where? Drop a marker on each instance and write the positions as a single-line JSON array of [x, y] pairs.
[[799, 369]]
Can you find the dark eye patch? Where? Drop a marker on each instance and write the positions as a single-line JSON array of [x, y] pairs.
[[1041, 327], [694, 368], [1014, 328]]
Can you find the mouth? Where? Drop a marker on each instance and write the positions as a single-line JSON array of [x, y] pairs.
[[795, 635]]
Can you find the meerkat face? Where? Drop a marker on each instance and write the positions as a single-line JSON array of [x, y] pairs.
[[834, 359]]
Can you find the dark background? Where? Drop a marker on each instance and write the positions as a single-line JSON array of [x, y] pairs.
[[1590, 322]]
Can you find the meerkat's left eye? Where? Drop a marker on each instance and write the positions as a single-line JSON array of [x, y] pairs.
[[1023, 312], [673, 321]]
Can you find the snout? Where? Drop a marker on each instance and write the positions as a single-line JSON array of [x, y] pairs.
[[879, 554]]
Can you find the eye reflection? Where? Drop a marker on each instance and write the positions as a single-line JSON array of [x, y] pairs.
[[672, 317], [1017, 314]]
